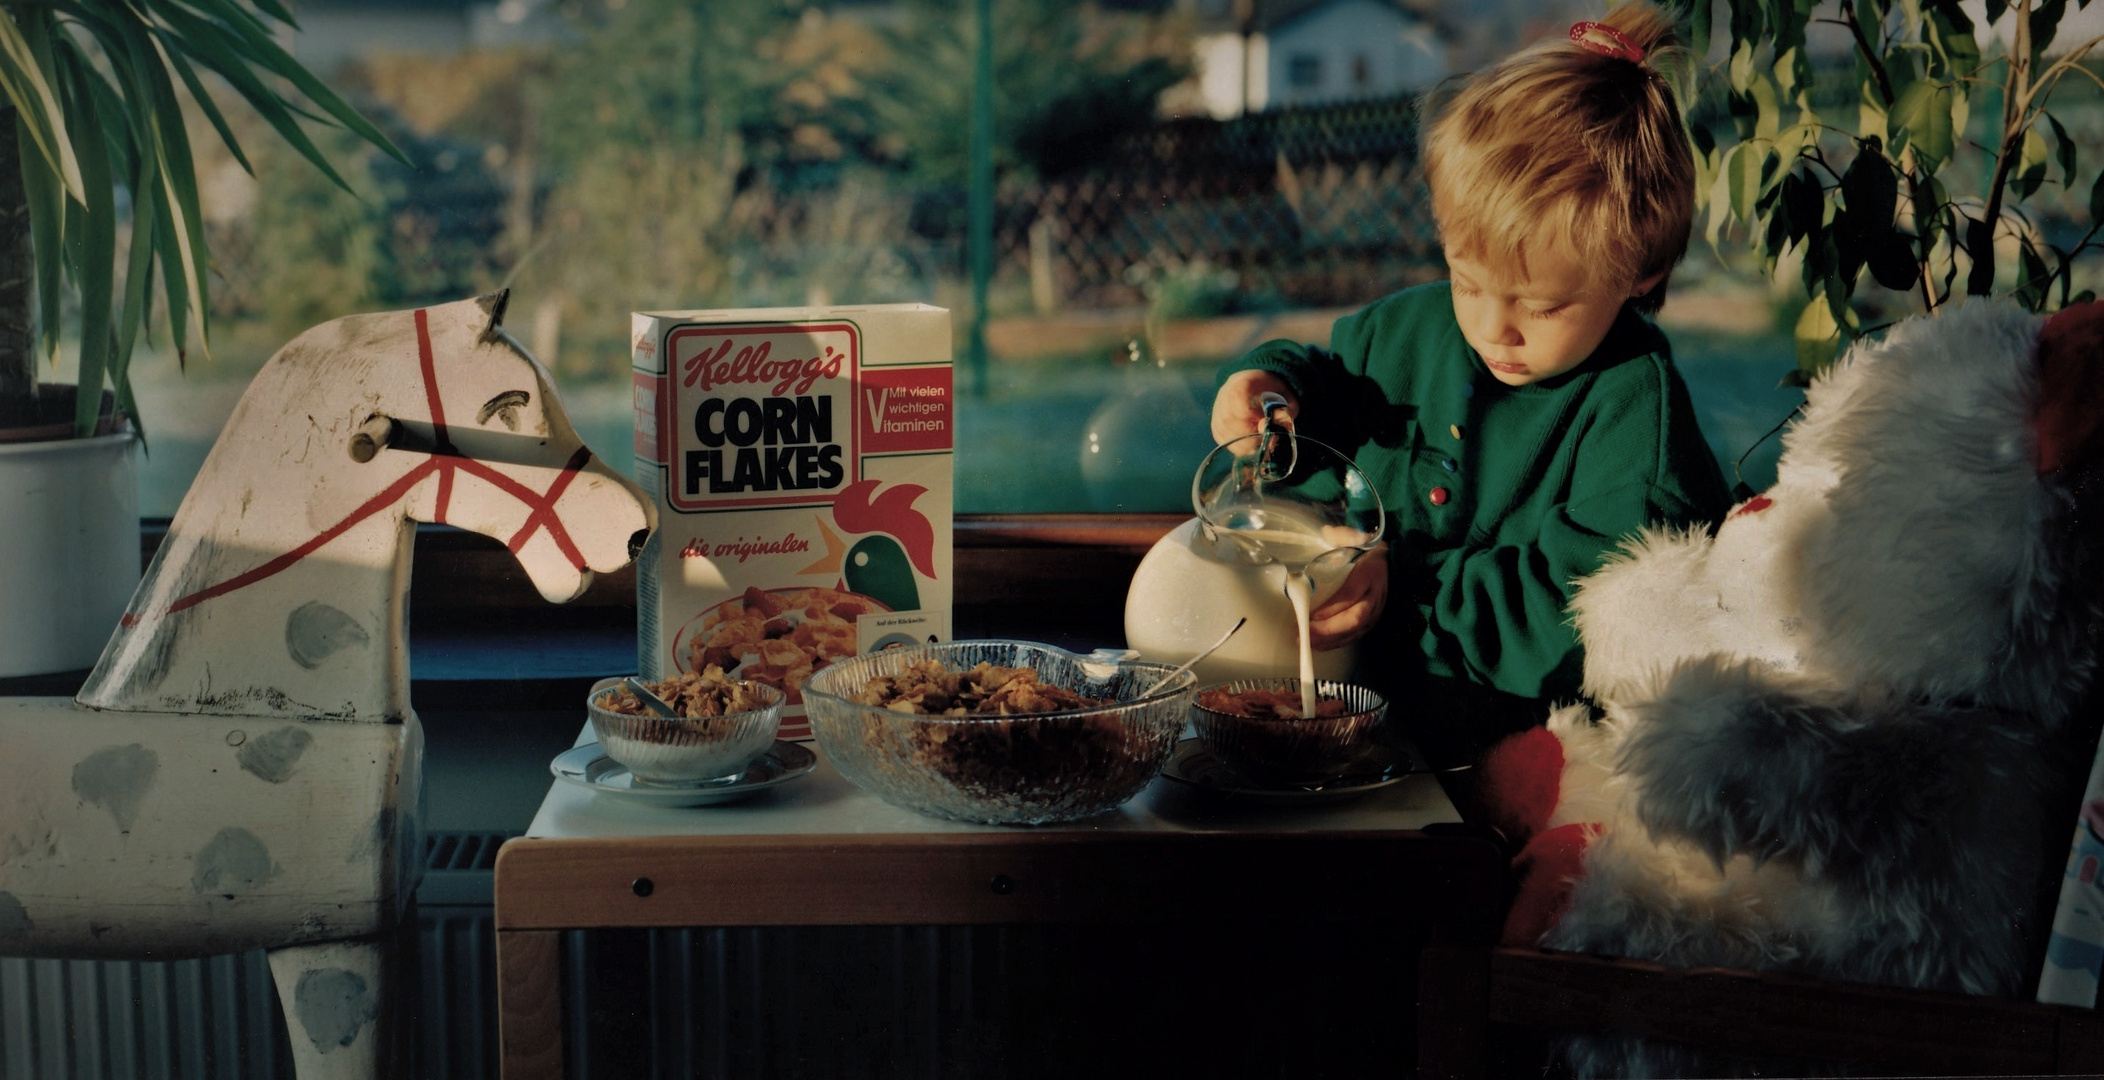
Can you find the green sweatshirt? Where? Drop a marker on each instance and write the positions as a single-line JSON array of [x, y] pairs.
[[1497, 497]]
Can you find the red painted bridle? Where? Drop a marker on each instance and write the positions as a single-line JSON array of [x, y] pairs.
[[445, 460]]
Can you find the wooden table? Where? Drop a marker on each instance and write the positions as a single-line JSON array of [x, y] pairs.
[[819, 851]]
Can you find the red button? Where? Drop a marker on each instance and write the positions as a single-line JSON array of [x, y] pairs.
[[1439, 496]]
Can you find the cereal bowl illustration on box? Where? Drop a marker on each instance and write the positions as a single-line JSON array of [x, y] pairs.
[[801, 463], [775, 636]]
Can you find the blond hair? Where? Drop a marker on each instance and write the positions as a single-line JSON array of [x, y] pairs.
[[1562, 144]]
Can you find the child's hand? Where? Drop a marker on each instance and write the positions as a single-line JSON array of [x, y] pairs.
[[1235, 409], [1353, 609]]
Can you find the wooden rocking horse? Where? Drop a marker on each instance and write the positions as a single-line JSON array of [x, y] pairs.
[[242, 769]]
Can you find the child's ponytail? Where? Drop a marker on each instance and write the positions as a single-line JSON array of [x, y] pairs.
[[1581, 134]]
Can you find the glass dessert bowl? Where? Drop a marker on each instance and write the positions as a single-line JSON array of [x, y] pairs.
[[733, 722], [1254, 726]]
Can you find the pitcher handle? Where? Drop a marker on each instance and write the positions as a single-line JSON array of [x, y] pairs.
[[1276, 426]]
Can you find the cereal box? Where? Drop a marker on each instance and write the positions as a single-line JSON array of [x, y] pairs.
[[800, 458]]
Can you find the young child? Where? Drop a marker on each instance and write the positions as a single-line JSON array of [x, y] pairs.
[[1522, 418]]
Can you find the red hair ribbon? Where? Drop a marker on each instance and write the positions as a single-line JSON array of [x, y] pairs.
[[1618, 43]]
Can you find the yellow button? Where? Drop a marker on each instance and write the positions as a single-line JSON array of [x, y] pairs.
[[1456, 429]]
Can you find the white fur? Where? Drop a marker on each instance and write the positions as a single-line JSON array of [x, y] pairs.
[[1822, 727]]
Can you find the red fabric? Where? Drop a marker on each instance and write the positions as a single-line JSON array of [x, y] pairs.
[[2069, 424], [1547, 869], [1520, 780], [1754, 505]]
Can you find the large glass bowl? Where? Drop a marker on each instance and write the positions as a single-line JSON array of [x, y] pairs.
[[1003, 770]]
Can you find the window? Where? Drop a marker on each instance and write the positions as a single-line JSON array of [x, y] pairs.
[[1117, 289], [1304, 71]]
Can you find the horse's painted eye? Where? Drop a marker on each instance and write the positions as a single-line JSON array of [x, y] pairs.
[[505, 407]]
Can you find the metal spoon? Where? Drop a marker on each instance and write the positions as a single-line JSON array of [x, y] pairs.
[[650, 701], [1186, 665]]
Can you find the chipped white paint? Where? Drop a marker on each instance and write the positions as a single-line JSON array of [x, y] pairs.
[[204, 793]]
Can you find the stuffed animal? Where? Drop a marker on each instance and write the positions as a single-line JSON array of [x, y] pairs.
[[1817, 739]]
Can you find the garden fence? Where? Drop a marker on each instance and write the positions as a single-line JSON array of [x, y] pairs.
[[1303, 207], [1299, 207]]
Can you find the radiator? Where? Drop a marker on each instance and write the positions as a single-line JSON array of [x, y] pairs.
[[218, 1018], [988, 1003], [666, 1003]]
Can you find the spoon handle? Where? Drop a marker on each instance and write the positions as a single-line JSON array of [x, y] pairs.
[[650, 701], [1188, 664]]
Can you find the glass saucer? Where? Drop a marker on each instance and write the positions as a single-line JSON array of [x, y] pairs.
[[588, 766], [1194, 764]]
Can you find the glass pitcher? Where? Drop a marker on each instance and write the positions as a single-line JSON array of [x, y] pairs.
[[1269, 504]]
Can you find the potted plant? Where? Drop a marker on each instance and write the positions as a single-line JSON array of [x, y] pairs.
[[93, 120]]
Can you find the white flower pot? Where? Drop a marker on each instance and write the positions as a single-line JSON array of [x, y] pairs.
[[69, 549]]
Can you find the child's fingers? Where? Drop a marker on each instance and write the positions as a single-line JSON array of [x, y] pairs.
[[1367, 578], [1238, 406], [1277, 406], [1347, 625], [1355, 607], [1352, 592]]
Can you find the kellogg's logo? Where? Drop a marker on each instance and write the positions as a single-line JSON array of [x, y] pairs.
[[753, 364], [763, 414]]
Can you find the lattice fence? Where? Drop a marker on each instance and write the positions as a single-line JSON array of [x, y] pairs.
[[1307, 206], [1302, 207]]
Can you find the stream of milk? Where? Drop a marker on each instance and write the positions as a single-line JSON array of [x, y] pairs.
[[1293, 541], [1299, 590]]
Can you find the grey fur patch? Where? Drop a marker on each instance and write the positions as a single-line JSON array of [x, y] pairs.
[[233, 861], [273, 755], [14, 918], [316, 631], [334, 1005], [116, 778]]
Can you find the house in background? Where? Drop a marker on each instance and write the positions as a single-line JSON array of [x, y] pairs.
[[1254, 55], [333, 32]]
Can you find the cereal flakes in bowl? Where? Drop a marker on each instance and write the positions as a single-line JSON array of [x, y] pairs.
[[724, 724], [999, 732], [1255, 726]]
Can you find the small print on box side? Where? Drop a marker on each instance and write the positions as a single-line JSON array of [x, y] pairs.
[[801, 461]]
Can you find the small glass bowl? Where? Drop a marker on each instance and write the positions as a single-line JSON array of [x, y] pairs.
[[1003, 770], [686, 751], [1295, 751]]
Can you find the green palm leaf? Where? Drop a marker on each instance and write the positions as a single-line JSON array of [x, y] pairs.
[[37, 105], [94, 85], [138, 286], [206, 105], [91, 248], [41, 188]]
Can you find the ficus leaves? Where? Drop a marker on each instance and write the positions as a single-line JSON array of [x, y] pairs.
[[1874, 200]]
